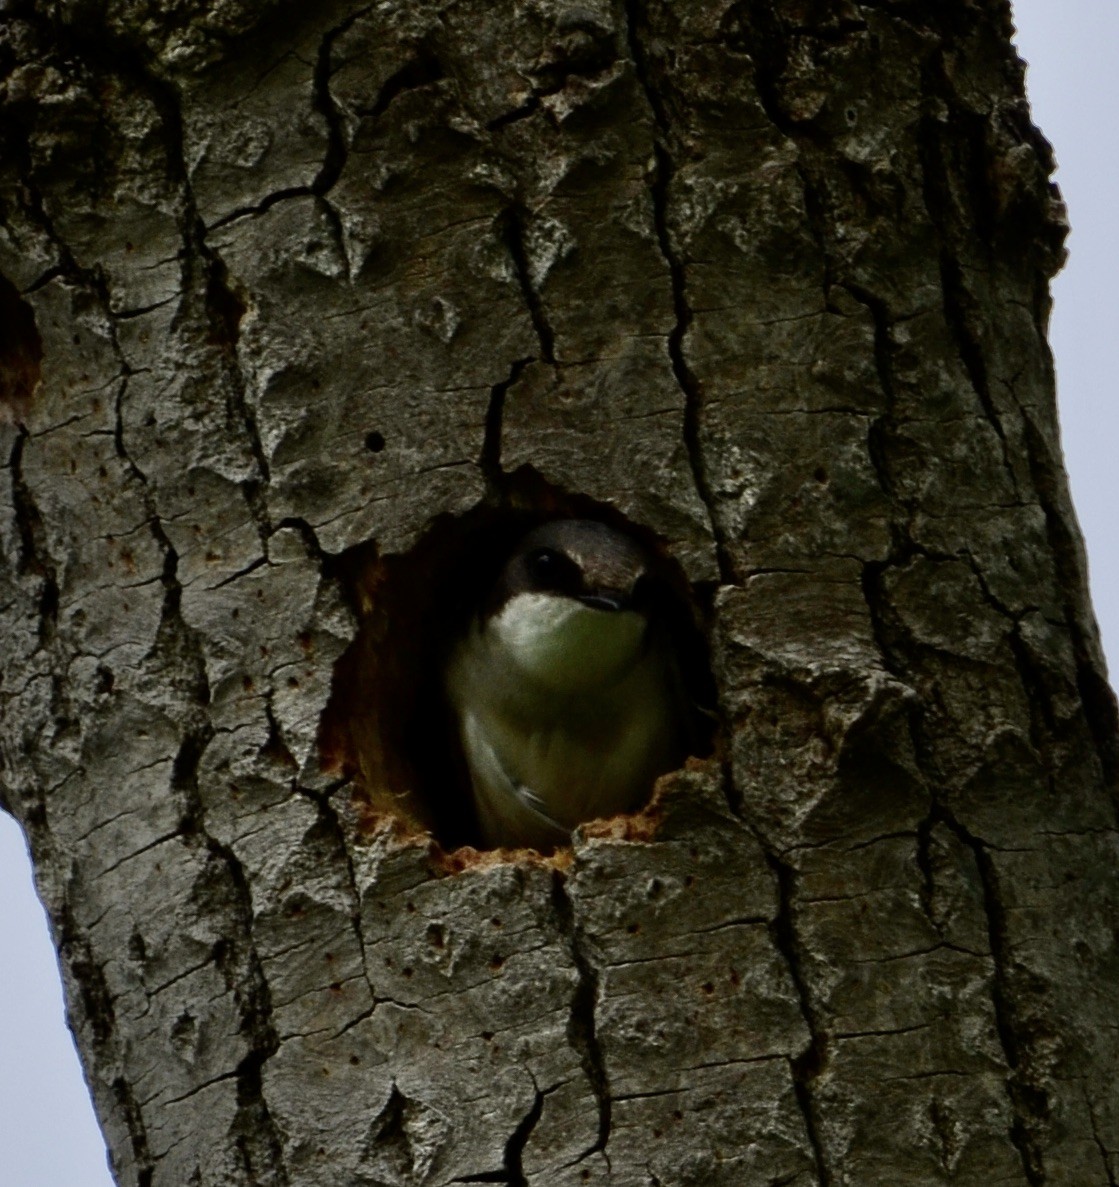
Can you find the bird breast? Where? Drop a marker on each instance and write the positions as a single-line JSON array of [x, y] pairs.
[[563, 645], [565, 702]]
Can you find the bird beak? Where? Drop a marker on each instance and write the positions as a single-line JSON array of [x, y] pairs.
[[603, 600]]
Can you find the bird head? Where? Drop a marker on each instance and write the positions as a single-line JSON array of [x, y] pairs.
[[571, 606]]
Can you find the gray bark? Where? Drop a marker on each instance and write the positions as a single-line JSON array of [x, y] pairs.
[[282, 285]]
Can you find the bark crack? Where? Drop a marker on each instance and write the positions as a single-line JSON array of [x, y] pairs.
[[590, 53], [97, 1011], [882, 428], [806, 1067], [34, 557], [927, 890], [134, 1123], [489, 461], [1028, 1098], [423, 69], [258, 1140], [518, 1140], [512, 228], [1099, 701], [581, 1030], [810, 1063], [221, 308], [335, 154], [1044, 726], [1105, 1154], [1017, 1034], [334, 159], [225, 309], [958, 303], [332, 825], [691, 387], [512, 1173]]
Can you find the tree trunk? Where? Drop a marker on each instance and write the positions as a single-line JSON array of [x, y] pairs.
[[294, 301]]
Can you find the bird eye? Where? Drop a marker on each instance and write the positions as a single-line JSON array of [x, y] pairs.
[[547, 568]]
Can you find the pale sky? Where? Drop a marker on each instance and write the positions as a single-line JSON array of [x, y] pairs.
[[48, 1137]]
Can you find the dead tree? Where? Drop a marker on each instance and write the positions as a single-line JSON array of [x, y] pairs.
[[303, 304]]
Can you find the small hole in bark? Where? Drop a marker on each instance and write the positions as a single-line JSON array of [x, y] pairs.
[[435, 935], [820, 474], [374, 441], [388, 725]]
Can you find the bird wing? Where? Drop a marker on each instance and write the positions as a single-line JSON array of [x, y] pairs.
[[506, 807]]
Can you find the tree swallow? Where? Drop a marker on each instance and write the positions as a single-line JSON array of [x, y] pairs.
[[564, 687]]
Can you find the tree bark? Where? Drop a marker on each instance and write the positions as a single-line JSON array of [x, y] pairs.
[[282, 287]]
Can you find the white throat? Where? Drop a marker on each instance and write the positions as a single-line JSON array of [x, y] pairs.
[[564, 644]]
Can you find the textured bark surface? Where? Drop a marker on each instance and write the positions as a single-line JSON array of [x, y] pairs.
[[281, 284]]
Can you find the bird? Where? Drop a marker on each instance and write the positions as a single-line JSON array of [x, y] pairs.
[[564, 686]]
